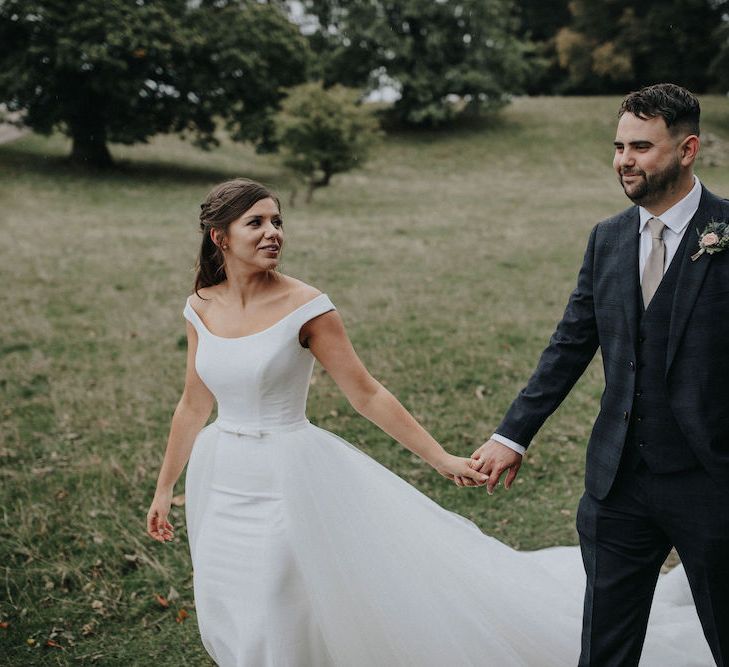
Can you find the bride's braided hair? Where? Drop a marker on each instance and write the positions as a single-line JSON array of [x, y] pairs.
[[224, 204]]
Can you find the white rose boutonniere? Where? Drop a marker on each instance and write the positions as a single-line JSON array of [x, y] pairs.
[[714, 238]]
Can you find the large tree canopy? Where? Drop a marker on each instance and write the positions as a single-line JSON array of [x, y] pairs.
[[123, 71], [428, 50]]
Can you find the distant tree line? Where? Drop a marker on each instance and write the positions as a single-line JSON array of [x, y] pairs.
[[481, 49], [120, 72], [611, 46]]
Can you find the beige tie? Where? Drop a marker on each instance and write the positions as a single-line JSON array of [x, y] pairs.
[[653, 271]]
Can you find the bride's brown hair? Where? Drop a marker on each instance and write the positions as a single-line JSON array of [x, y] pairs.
[[224, 204]]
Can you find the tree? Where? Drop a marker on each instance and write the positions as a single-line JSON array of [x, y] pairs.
[[611, 46], [720, 64], [245, 53], [430, 51], [126, 70], [323, 132], [540, 21]]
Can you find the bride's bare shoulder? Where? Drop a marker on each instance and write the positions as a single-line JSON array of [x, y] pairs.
[[299, 292], [202, 298]]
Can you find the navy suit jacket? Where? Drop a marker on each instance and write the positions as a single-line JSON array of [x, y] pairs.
[[603, 312]]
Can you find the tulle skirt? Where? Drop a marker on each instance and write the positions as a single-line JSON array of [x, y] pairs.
[[308, 553]]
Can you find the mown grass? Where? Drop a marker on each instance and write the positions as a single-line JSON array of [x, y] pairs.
[[450, 257]]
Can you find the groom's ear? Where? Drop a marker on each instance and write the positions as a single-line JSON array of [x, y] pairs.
[[689, 149]]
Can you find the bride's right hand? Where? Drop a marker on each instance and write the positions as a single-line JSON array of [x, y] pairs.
[[455, 468], [158, 527]]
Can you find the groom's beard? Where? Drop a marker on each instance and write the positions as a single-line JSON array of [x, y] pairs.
[[651, 188]]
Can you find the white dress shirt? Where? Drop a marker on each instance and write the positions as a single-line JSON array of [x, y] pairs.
[[676, 220]]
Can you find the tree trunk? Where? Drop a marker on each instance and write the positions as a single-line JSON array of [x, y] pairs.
[[89, 144], [317, 183]]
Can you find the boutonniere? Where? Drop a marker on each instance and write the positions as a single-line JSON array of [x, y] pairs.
[[714, 238]]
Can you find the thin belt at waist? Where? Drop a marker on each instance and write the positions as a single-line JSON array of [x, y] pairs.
[[257, 431]]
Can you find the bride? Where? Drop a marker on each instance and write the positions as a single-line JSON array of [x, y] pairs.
[[308, 553]]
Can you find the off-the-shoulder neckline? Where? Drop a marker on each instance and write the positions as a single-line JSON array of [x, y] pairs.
[[257, 333]]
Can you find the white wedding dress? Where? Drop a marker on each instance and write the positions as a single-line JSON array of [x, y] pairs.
[[308, 553]]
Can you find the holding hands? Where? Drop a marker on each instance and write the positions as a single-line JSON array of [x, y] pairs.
[[458, 468], [492, 459]]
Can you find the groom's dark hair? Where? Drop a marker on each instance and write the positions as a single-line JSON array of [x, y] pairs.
[[678, 107]]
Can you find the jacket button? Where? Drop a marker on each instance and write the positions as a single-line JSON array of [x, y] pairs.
[[631, 365], [638, 393], [641, 339], [641, 444], [640, 419], [626, 416]]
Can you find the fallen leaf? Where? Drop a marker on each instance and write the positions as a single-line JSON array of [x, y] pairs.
[[178, 501], [4, 625], [98, 605], [161, 601], [61, 494], [479, 392], [172, 595], [52, 644], [182, 615], [87, 629], [30, 641]]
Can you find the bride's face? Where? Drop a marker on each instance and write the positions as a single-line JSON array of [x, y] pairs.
[[256, 238]]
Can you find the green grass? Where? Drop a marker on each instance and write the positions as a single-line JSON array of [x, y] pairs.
[[450, 257]]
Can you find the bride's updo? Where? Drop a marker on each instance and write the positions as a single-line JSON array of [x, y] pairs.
[[224, 204]]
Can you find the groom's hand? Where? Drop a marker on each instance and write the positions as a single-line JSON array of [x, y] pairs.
[[493, 459]]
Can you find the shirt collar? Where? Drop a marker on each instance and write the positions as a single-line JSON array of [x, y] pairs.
[[679, 215]]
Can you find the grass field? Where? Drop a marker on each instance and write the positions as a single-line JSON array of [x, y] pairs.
[[450, 257]]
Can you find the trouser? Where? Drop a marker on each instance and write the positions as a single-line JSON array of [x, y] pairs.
[[625, 539]]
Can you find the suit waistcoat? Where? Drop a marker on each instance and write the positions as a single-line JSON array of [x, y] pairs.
[[654, 434]]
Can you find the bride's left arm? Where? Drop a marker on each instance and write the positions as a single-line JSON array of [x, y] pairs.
[[327, 339]]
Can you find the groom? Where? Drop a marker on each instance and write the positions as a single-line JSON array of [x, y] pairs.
[[658, 458]]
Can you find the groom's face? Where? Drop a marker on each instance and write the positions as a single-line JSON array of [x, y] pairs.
[[647, 158]]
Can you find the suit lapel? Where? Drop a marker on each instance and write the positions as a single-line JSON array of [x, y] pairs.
[[691, 274], [629, 238]]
